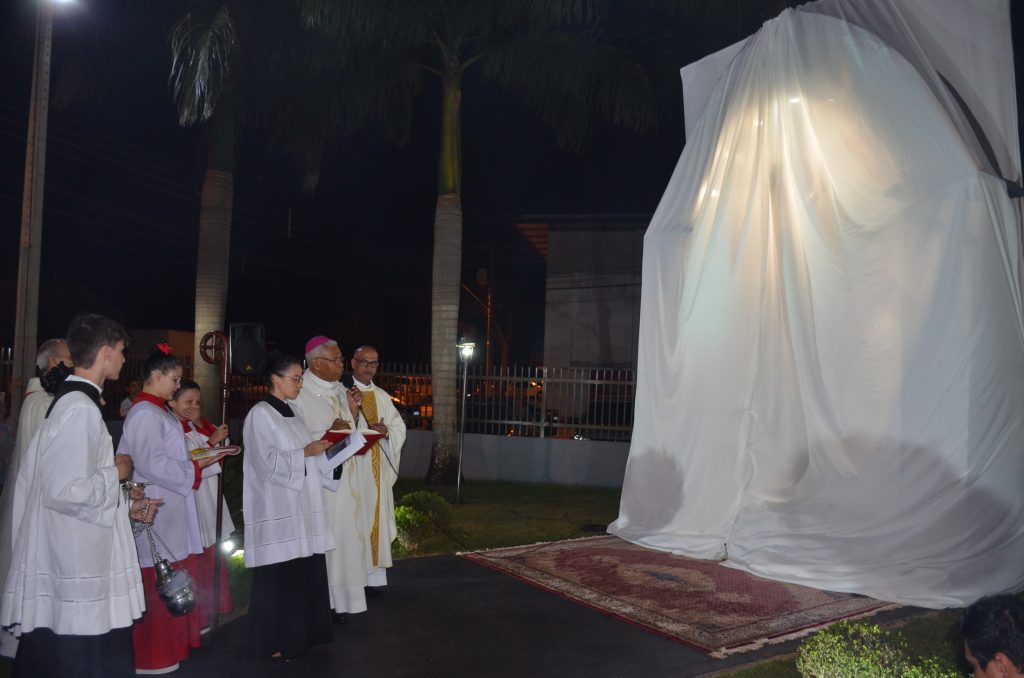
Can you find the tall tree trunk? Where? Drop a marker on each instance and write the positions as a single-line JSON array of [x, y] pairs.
[[447, 276], [214, 257]]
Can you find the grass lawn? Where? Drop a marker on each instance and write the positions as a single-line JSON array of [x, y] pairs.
[[492, 515]]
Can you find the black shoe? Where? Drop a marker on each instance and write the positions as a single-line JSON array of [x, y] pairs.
[[340, 618]]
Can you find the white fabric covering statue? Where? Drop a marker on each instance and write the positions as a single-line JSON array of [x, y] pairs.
[[831, 356]]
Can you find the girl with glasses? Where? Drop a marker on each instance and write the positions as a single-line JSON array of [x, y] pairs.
[[286, 528]]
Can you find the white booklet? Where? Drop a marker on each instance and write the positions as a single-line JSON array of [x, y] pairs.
[[340, 451]]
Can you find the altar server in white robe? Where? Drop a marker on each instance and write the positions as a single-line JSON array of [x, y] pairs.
[[287, 531], [37, 400], [74, 588], [375, 473], [323, 403], [200, 433], [153, 436]]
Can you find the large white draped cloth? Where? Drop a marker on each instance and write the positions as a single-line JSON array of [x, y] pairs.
[[831, 360]]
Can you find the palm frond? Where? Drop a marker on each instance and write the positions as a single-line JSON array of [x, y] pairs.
[[324, 103], [305, 88], [203, 46], [573, 81], [545, 14], [384, 23]]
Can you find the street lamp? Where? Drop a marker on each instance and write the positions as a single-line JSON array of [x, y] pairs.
[[26, 319], [466, 354]]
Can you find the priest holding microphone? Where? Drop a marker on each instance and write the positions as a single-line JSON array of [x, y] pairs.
[[324, 404]]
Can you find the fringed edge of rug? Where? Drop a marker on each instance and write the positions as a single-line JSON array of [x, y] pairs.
[[463, 554], [724, 652]]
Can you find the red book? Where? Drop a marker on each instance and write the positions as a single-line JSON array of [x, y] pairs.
[[336, 435]]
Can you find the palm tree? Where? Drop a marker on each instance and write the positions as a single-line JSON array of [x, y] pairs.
[[204, 46], [546, 52], [235, 66]]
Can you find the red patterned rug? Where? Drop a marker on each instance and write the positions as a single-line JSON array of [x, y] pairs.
[[700, 603]]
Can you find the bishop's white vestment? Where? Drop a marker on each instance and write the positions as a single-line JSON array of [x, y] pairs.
[[320, 402]]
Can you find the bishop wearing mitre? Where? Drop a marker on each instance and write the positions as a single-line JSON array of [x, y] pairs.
[[323, 403]]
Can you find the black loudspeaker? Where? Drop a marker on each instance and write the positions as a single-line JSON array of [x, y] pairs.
[[248, 346]]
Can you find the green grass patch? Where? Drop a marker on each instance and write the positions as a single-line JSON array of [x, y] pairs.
[[777, 668], [240, 580], [496, 514]]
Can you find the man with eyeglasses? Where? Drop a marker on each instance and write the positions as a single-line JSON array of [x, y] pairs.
[[376, 472], [323, 403]]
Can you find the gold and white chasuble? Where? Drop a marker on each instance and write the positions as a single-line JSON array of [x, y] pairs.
[[375, 474]]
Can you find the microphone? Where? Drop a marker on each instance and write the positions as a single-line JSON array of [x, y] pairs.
[[348, 382]]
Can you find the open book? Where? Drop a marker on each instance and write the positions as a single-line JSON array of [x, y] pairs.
[[341, 439], [205, 452]]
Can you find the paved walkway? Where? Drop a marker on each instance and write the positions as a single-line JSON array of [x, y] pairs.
[[446, 616]]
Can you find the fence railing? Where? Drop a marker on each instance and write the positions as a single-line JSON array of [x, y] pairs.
[[556, 402]]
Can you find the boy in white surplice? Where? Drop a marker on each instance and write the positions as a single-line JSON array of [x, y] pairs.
[[74, 588]]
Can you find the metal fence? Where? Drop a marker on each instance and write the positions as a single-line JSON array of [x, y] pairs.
[[556, 402]]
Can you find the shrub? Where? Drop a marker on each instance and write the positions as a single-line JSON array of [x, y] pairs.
[[430, 504], [931, 667], [852, 650], [413, 526]]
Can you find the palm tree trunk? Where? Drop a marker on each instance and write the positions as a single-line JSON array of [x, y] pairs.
[[214, 257], [447, 276]]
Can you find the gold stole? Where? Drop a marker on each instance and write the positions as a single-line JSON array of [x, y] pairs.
[[369, 407]]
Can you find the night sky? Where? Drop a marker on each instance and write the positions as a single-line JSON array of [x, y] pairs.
[[123, 181]]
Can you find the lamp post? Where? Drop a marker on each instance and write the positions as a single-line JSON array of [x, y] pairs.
[[465, 354], [26, 320]]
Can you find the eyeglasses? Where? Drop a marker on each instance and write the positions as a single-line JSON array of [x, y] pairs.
[[297, 378], [336, 361], [367, 363]]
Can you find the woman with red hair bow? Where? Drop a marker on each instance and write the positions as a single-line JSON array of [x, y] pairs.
[[162, 461]]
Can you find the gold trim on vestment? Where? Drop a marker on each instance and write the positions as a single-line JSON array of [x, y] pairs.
[[370, 412]]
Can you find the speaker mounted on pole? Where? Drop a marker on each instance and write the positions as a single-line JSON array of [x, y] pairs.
[[248, 347]]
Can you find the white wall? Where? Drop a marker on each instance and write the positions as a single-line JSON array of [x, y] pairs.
[[521, 459]]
